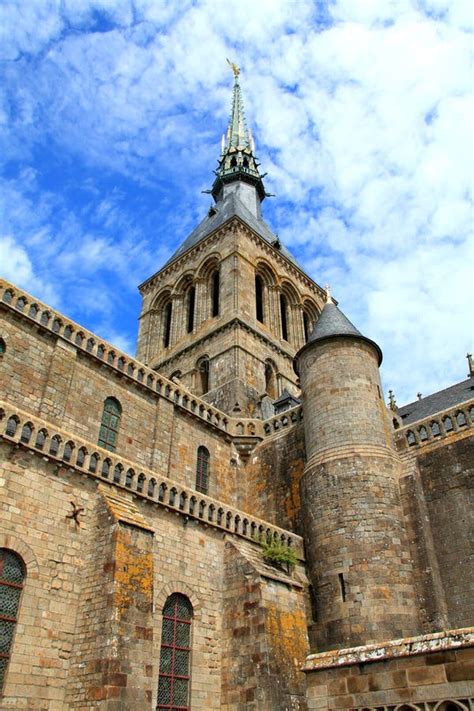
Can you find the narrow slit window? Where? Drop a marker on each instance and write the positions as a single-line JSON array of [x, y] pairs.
[[167, 313], [191, 303], [110, 423], [259, 298], [12, 577], [215, 293], [342, 585], [284, 317], [175, 654]]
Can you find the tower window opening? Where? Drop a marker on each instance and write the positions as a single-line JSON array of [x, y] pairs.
[[202, 470], [284, 317], [342, 585], [110, 423], [203, 375], [167, 324], [245, 163], [306, 326], [259, 298], [233, 162], [270, 381], [175, 654], [215, 293], [12, 576], [191, 303]]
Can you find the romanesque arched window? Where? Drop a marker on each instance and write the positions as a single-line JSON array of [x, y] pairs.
[[175, 654], [110, 423], [12, 577], [202, 470]]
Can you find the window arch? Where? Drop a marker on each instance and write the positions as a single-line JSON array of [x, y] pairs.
[[12, 577], [110, 423], [270, 380], [202, 470], [175, 654]]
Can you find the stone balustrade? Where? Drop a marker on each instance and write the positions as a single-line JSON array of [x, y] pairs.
[[85, 457], [283, 421], [436, 427]]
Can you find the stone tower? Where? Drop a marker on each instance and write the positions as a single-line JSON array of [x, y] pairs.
[[229, 310], [359, 563]]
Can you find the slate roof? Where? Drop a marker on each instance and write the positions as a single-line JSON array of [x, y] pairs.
[[225, 210], [442, 400], [333, 323]]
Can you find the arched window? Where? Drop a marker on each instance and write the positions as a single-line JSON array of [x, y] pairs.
[[110, 424], [259, 298], [270, 380], [284, 317], [215, 292], [191, 298], [3, 347], [202, 470], [167, 313], [203, 375], [175, 654], [306, 326], [12, 577]]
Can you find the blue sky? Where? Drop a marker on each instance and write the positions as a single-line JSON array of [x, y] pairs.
[[110, 121]]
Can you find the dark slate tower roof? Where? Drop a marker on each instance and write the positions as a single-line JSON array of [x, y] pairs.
[[332, 323]]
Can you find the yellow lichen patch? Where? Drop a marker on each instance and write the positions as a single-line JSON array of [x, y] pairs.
[[133, 575], [288, 637]]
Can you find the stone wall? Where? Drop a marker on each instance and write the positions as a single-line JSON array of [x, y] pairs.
[[415, 674]]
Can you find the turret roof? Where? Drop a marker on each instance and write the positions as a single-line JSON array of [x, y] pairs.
[[332, 323]]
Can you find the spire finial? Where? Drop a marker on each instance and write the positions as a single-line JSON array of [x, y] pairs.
[[328, 294], [471, 365], [234, 68]]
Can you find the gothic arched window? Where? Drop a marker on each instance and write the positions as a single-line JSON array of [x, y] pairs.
[[175, 654], [12, 577], [270, 380], [110, 424], [202, 470], [259, 298]]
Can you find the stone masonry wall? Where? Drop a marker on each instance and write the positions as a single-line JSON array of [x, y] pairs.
[[272, 477], [264, 639]]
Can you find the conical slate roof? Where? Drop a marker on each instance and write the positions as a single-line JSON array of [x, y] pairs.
[[332, 323]]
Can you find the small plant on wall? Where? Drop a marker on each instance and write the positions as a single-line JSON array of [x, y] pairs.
[[279, 555]]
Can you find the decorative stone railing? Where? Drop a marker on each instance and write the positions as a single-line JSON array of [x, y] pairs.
[[128, 367], [285, 420], [436, 427], [82, 456]]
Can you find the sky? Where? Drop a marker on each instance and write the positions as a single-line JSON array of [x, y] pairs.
[[111, 114]]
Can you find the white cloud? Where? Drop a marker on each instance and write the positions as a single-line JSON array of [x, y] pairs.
[[362, 120]]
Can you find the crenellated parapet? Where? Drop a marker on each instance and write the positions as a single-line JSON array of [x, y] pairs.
[[84, 457]]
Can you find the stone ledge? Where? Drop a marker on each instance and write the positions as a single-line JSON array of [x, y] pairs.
[[406, 647]]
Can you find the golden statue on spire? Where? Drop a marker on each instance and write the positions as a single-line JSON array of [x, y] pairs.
[[234, 68]]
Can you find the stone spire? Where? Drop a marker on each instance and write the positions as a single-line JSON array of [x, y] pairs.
[[237, 162]]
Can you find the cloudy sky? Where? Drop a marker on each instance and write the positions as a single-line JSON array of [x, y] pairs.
[[111, 113]]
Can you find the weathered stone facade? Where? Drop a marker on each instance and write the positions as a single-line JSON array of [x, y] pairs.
[[148, 534]]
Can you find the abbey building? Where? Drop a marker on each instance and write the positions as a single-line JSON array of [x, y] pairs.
[[233, 519]]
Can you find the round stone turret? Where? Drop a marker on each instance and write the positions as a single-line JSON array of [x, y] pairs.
[[358, 564]]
